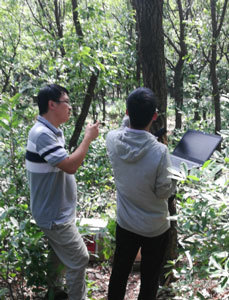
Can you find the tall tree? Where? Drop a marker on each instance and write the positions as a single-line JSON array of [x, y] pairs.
[[217, 19], [50, 17], [213, 45], [91, 85], [10, 42], [149, 15], [181, 12], [151, 46]]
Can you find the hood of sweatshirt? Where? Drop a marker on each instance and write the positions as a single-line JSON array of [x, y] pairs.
[[131, 144]]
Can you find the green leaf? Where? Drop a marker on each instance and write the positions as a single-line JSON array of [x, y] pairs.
[[4, 115], [224, 282], [206, 164], [213, 262], [14, 221], [201, 296], [194, 178], [14, 99], [5, 124], [3, 291]]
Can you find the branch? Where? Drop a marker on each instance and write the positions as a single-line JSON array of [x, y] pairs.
[[38, 21], [57, 13], [47, 16], [172, 43], [188, 9], [84, 111], [207, 57], [170, 64], [118, 20], [171, 20], [76, 19], [183, 48], [15, 46], [222, 18], [221, 48]]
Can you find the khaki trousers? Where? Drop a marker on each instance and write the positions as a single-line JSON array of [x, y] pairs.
[[71, 251]]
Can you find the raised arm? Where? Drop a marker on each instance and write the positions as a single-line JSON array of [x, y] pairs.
[[71, 164]]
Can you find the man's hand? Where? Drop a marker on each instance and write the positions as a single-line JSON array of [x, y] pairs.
[[92, 131], [71, 164]]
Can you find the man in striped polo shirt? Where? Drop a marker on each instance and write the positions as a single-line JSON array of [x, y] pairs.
[[53, 189]]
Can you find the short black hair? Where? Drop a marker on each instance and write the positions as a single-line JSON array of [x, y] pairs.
[[49, 92], [141, 106]]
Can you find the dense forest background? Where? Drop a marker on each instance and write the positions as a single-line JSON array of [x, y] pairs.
[[100, 51]]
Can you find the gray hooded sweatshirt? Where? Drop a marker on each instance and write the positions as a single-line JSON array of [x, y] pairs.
[[140, 165]]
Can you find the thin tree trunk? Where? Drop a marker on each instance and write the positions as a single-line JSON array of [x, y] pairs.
[[213, 64], [84, 111], [217, 23], [91, 86], [178, 92]]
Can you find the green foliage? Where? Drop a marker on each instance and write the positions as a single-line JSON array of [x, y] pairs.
[[23, 250], [32, 53], [95, 182], [22, 247], [108, 242], [203, 224]]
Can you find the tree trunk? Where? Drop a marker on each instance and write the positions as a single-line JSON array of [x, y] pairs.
[[213, 64], [217, 23], [178, 76], [84, 111], [103, 93], [151, 44], [138, 62], [91, 86], [197, 106], [178, 92]]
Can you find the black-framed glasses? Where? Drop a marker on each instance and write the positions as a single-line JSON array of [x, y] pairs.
[[64, 101]]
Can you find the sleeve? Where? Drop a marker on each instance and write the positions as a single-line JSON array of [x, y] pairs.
[[51, 149], [164, 186]]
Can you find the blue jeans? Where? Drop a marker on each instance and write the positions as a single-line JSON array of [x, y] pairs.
[[152, 255]]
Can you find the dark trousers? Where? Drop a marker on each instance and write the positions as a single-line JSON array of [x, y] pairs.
[[152, 255]]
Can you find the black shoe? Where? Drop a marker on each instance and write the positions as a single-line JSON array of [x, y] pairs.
[[56, 294]]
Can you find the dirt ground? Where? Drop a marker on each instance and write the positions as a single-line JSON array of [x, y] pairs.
[[99, 275]]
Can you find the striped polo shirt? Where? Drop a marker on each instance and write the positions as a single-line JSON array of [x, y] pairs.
[[53, 193]]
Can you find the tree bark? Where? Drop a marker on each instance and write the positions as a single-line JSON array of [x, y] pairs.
[[213, 64], [151, 44], [180, 49], [91, 86], [178, 78], [178, 92], [217, 23], [58, 14], [84, 111], [76, 19]]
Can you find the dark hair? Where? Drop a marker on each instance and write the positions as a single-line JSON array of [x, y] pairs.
[[49, 92], [141, 106]]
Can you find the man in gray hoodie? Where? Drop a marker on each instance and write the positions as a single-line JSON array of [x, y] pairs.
[[140, 165]]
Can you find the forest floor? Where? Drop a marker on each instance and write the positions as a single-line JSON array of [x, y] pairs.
[[98, 275]]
